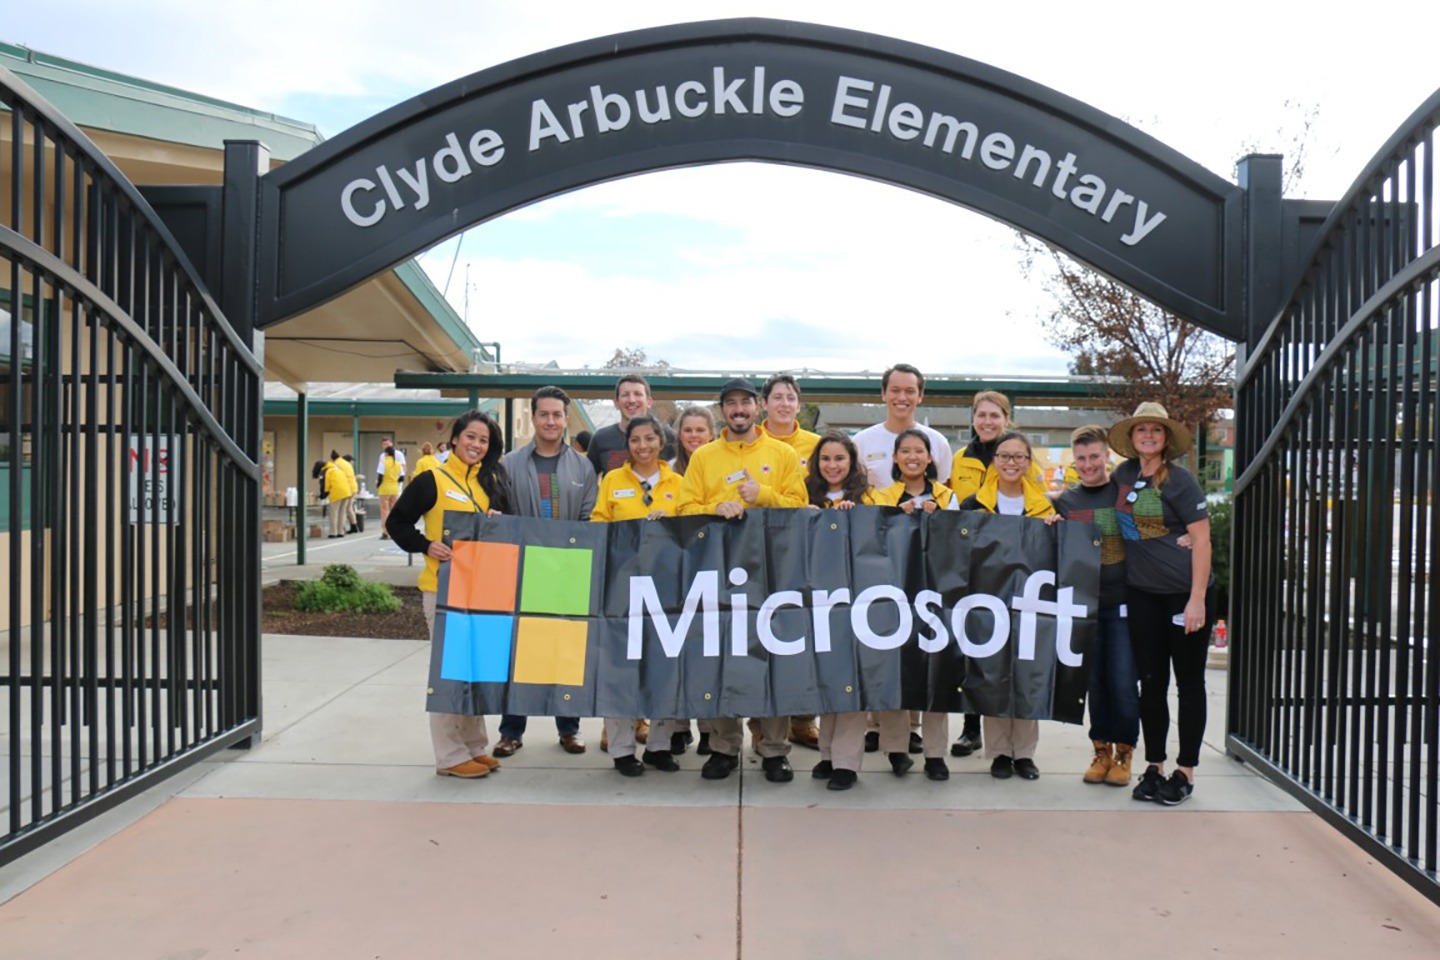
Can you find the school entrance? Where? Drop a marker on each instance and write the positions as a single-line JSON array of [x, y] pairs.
[[131, 400]]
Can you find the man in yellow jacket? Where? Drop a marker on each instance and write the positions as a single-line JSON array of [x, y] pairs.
[[743, 468]]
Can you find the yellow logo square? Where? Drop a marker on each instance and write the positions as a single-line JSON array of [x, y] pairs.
[[550, 651]]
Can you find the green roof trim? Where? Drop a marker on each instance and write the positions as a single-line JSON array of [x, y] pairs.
[[105, 100], [375, 407], [417, 281]]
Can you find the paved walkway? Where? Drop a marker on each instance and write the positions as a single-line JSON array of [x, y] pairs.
[[334, 839]]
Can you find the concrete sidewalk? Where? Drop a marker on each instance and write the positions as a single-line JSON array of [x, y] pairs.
[[335, 839]]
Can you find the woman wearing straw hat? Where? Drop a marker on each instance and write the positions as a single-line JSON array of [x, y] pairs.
[[1167, 590]]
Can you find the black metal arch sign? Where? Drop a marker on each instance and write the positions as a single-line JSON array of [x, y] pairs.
[[761, 90]]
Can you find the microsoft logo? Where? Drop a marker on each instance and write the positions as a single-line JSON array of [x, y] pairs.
[[510, 610]]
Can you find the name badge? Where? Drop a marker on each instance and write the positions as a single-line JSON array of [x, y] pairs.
[[737, 477], [624, 494], [456, 495]]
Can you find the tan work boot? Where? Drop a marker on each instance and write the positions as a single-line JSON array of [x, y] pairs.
[[1100, 766], [1119, 775]]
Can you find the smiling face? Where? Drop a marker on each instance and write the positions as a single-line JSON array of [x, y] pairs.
[[472, 443], [988, 420], [644, 444], [1012, 461], [632, 399], [1090, 462], [833, 462], [781, 408], [739, 410], [913, 458], [695, 432], [1149, 440], [549, 419], [902, 394]]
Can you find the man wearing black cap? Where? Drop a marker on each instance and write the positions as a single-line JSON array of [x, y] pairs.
[[743, 468]]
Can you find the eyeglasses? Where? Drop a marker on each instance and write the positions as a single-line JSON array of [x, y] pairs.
[[1134, 493], [1012, 457]]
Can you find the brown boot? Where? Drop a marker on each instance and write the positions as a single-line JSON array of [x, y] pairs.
[[604, 739], [1119, 775], [1100, 766]]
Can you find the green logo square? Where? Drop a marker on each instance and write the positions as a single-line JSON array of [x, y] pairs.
[[556, 581]]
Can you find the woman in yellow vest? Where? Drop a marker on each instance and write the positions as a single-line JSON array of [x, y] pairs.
[[642, 488], [916, 487], [836, 480], [473, 480], [427, 461], [1013, 491], [387, 486], [338, 493]]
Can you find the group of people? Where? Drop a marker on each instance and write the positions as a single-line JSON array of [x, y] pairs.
[[1155, 609]]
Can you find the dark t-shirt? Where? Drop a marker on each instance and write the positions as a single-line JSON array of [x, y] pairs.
[[1153, 522], [547, 472], [1096, 505], [608, 449]]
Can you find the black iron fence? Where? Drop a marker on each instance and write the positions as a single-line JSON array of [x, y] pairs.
[[1334, 681], [129, 417]]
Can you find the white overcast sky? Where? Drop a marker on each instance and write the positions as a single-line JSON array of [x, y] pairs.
[[756, 266]]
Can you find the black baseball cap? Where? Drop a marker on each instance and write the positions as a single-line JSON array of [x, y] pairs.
[[739, 385]]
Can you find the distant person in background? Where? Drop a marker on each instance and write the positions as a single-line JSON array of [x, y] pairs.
[[427, 461], [632, 398], [387, 486], [442, 453], [387, 445], [581, 441], [347, 462], [337, 494]]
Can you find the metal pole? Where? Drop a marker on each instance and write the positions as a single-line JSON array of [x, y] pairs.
[[302, 475]]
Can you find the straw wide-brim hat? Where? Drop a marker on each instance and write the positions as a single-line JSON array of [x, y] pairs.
[[1150, 412]]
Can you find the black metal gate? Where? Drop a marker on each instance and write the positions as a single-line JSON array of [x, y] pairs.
[[1334, 682], [129, 418]]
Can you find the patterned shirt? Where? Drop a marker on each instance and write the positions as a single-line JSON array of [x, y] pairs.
[[1096, 505]]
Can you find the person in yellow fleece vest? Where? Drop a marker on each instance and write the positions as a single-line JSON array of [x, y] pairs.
[[740, 469], [1014, 491]]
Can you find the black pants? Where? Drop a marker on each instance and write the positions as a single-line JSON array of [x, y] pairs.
[[1161, 645]]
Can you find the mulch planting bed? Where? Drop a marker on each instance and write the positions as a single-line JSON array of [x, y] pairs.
[[280, 616]]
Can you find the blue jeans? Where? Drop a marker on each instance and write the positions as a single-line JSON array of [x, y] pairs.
[[1114, 686], [513, 726]]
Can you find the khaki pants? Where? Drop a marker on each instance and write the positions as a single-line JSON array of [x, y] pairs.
[[339, 513], [895, 732], [456, 737], [871, 723], [620, 735], [1005, 737], [727, 735], [842, 739], [387, 503]]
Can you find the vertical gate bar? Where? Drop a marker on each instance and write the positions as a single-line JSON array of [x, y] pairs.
[[154, 413], [16, 584]]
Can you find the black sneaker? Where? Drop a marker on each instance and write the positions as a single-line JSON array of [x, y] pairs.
[[1176, 790], [872, 741], [778, 769], [629, 766], [703, 747], [718, 767], [660, 760], [1148, 789], [841, 779], [823, 770], [900, 763], [936, 769], [678, 743], [917, 744]]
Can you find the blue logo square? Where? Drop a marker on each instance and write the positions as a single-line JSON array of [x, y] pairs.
[[477, 647]]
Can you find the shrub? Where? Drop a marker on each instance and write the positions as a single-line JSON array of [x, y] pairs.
[[341, 590], [1220, 512]]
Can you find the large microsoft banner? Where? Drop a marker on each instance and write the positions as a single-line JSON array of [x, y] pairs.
[[781, 612]]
